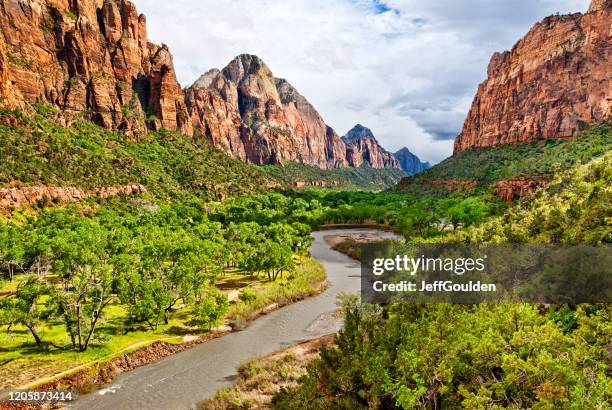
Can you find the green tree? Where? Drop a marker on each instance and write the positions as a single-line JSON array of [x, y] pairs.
[[210, 308], [26, 308]]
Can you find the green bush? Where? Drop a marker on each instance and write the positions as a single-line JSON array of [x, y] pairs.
[[247, 295]]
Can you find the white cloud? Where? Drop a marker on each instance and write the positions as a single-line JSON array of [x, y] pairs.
[[409, 73]]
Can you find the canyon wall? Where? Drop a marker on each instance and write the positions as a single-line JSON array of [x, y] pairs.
[[554, 82], [363, 149], [247, 112], [90, 57], [31, 195]]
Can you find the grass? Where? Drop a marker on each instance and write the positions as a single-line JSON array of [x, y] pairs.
[[306, 281], [22, 362], [261, 378]]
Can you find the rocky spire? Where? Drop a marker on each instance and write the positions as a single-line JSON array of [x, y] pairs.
[[363, 149]]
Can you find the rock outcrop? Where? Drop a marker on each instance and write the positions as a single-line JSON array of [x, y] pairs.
[[363, 149], [92, 57], [31, 195], [518, 187], [410, 163], [553, 82], [248, 113]]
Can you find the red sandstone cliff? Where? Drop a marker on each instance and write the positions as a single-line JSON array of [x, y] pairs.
[[362, 148], [554, 80], [89, 56], [250, 114]]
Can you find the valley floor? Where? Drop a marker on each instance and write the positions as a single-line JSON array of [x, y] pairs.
[[22, 363]]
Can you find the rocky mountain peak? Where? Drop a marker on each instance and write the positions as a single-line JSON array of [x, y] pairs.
[[404, 151], [410, 163], [245, 65], [359, 132], [362, 148], [247, 112], [206, 79]]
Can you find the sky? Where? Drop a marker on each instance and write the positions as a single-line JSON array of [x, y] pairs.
[[406, 69]]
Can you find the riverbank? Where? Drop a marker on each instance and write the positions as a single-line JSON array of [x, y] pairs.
[[308, 280], [261, 378], [184, 380], [375, 227]]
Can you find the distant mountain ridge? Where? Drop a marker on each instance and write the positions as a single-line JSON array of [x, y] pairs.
[[410, 163]]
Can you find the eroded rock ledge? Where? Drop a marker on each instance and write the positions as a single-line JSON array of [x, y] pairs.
[[31, 195]]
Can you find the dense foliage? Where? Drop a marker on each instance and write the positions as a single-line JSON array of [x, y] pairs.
[[481, 356], [459, 356], [412, 216], [36, 149], [542, 158], [296, 175]]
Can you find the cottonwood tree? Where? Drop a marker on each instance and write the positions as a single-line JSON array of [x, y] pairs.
[[210, 308], [24, 307], [12, 250], [89, 280], [274, 258]]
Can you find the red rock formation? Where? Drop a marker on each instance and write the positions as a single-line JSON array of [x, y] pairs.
[[253, 116], [362, 148], [30, 195], [89, 56], [517, 187], [554, 80]]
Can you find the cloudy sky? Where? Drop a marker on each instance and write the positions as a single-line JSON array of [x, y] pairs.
[[407, 69]]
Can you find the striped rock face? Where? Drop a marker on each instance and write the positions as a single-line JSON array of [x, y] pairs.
[[554, 82], [248, 113], [92, 57]]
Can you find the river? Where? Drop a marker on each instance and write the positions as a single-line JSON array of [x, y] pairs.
[[183, 380]]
